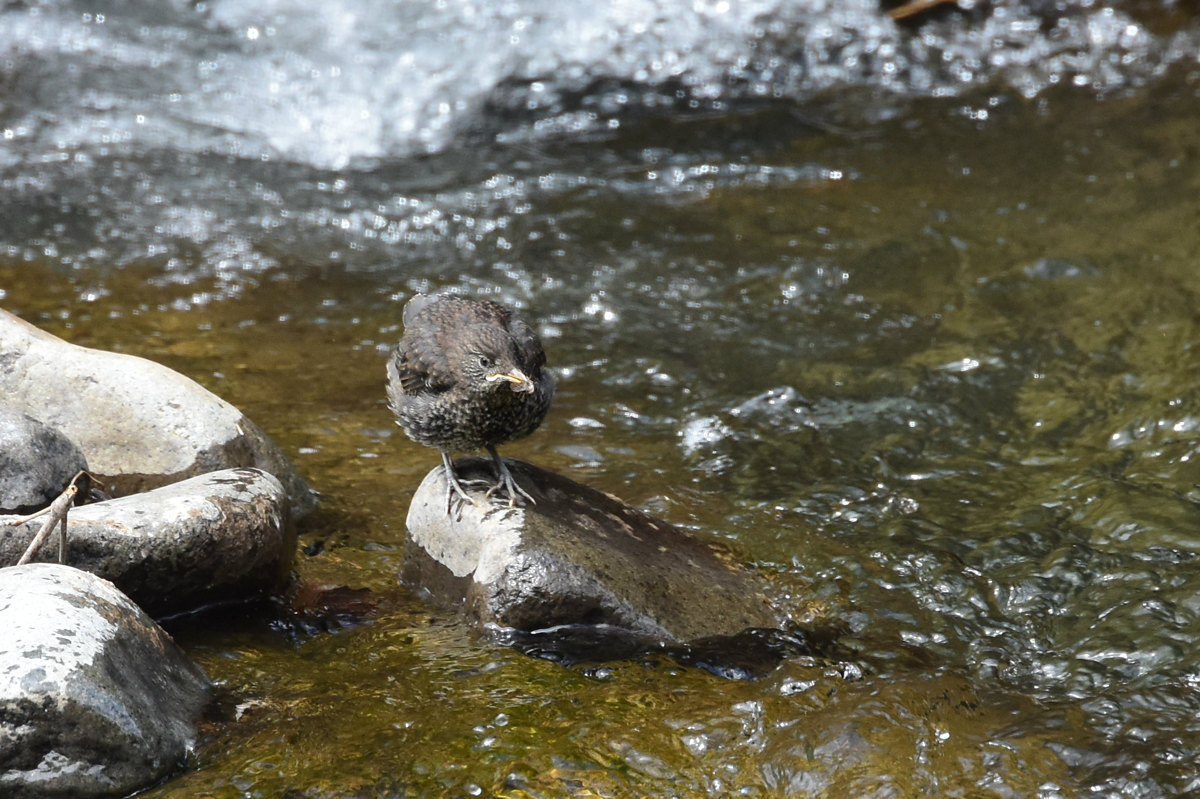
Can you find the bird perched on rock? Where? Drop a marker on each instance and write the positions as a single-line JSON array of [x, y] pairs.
[[468, 374]]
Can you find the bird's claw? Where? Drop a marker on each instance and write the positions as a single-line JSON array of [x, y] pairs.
[[506, 483], [516, 494], [455, 490]]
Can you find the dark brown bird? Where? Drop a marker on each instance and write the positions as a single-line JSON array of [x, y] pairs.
[[467, 375]]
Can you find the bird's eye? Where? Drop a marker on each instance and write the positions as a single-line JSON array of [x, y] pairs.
[[485, 361]]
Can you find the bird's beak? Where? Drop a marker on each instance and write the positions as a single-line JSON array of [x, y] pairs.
[[520, 382]]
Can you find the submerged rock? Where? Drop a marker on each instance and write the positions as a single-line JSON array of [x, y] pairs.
[[222, 535], [578, 556], [95, 699], [747, 655], [36, 462], [139, 424]]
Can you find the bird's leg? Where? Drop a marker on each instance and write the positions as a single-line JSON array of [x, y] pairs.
[[453, 486], [507, 483]]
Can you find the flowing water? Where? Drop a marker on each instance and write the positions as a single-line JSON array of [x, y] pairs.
[[907, 315]]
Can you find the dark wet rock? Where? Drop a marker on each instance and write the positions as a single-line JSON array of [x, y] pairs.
[[747, 655], [36, 462], [577, 556], [222, 535], [319, 607], [139, 424], [95, 699]]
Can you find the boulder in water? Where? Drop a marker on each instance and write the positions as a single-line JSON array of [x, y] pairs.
[[577, 556], [95, 698]]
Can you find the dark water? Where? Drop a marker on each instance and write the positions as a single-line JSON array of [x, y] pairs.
[[908, 315]]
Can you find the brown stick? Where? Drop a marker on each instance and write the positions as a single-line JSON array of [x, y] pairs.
[[56, 513], [915, 7]]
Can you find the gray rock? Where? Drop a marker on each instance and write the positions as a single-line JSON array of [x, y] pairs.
[[139, 424], [222, 535], [36, 463], [95, 699], [576, 557]]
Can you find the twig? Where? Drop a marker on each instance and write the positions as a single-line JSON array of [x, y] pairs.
[[914, 7], [57, 513]]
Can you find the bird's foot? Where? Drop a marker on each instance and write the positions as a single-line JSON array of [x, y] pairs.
[[475, 482], [456, 498], [508, 484], [454, 489], [516, 494]]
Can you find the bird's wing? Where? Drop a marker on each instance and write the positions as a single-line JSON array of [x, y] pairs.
[[419, 376], [418, 364]]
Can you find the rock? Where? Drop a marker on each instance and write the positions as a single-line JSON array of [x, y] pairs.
[[95, 699], [748, 655], [139, 424], [578, 556], [222, 535], [36, 462]]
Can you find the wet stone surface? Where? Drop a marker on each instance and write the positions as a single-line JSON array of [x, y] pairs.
[[220, 536], [577, 556], [36, 462], [95, 699], [139, 424]]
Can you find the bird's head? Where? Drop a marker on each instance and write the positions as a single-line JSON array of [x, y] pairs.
[[491, 364]]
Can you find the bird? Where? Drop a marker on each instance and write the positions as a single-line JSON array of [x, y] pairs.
[[468, 374]]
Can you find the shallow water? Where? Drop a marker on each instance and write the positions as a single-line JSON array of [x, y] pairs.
[[921, 348]]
